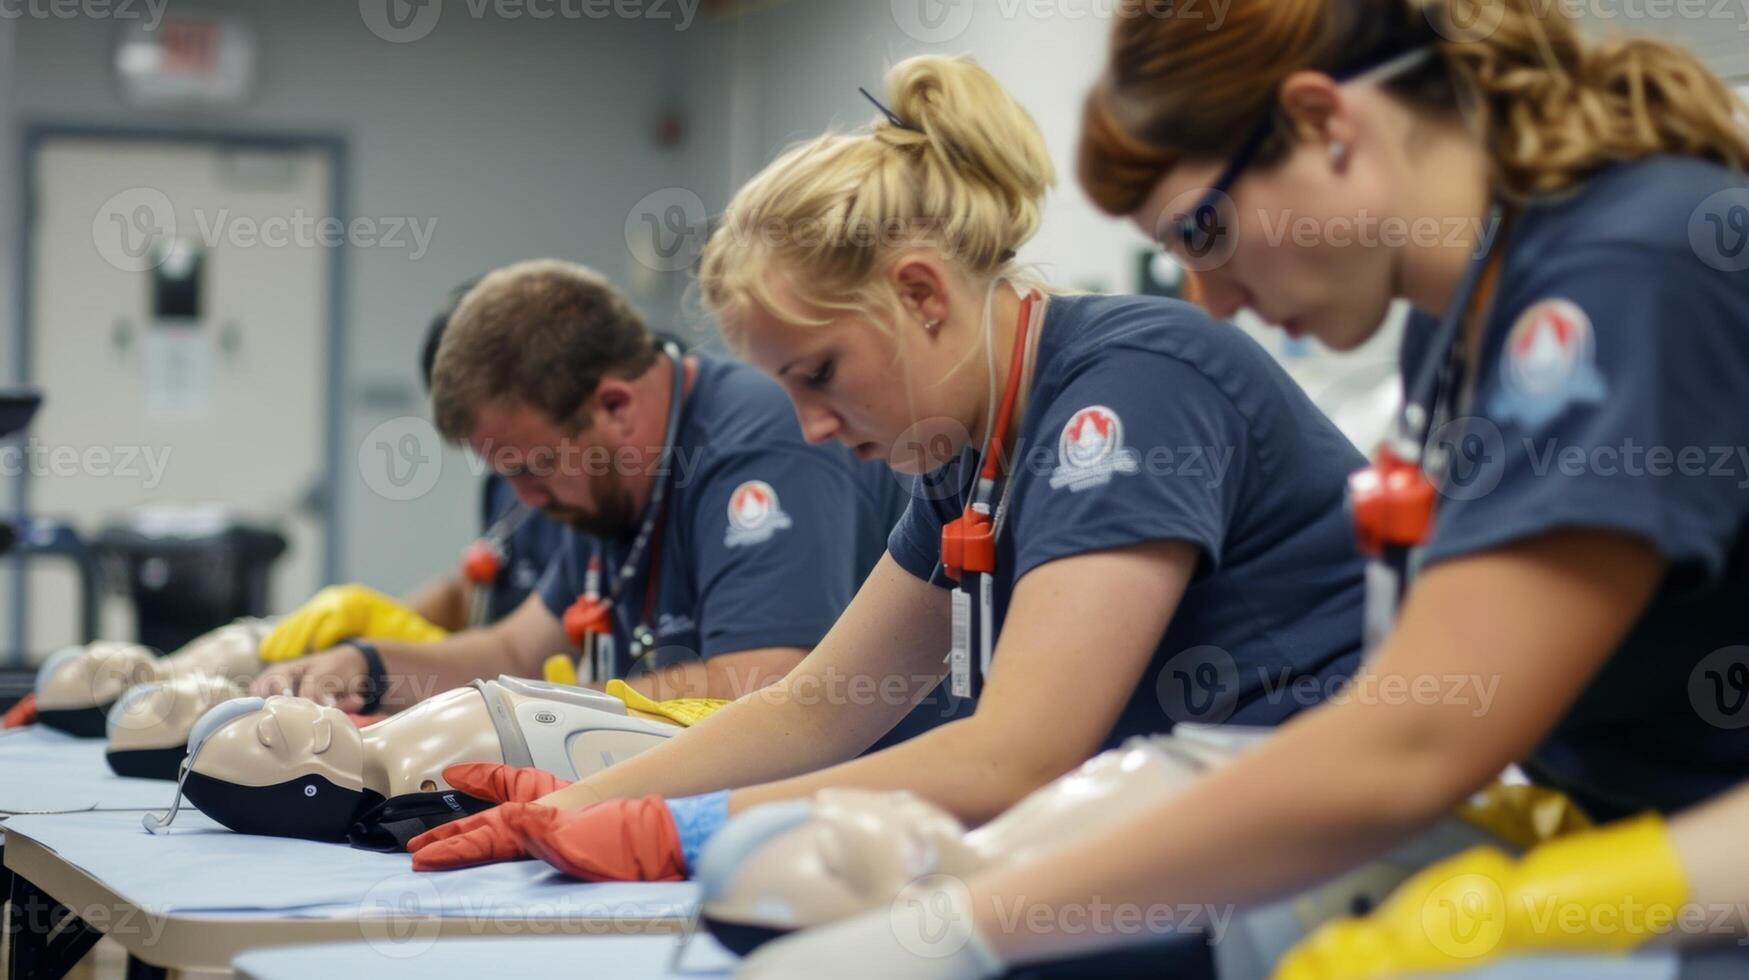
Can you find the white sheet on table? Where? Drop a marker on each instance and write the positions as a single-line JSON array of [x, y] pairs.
[[628, 957], [200, 868], [45, 771]]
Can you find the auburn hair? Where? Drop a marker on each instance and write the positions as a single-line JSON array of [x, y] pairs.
[[1549, 105]]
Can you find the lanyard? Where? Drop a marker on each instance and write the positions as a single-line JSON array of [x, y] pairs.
[[589, 621], [1392, 501], [968, 543]]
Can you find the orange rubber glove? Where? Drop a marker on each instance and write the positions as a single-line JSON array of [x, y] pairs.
[[21, 714], [483, 838], [502, 784], [617, 840]]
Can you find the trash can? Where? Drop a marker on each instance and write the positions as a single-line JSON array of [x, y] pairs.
[[185, 581]]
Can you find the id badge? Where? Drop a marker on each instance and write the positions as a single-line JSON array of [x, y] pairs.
[[1383, 590], [959, 657]]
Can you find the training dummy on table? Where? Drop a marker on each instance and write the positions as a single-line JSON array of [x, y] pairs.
[[289, 767], [709, 547]]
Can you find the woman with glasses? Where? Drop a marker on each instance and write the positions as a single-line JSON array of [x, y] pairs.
[[1142, 511], [1556, 515]]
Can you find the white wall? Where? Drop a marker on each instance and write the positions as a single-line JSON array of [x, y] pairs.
[[800, 65]]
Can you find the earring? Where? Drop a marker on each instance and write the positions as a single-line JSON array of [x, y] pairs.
[[932, 325], [1338, 152]]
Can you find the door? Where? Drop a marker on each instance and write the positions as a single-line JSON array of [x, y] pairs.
[[179, 326]]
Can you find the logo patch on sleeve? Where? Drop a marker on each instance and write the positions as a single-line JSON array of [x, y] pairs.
[[1550, 362], [1091, 450], [754, 514]]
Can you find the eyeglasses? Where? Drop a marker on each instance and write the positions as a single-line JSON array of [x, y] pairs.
[[1198, 233]]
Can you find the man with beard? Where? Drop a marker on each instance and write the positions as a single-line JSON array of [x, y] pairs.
[[708, 546]]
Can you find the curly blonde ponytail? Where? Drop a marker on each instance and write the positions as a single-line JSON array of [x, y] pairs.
[[963, 171]]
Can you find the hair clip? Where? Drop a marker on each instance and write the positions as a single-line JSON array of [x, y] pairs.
[[892, 116]]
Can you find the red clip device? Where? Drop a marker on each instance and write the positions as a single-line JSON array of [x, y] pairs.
[[968, 544], [482, 562], [1392, 504], [587, 616]]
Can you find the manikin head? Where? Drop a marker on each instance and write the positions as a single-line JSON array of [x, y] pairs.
[[281, 767], [149, 727], [791, 865], [856, 268], [552, 378], [76, 687]]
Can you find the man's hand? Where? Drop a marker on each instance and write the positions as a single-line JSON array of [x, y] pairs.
[[335, 677]]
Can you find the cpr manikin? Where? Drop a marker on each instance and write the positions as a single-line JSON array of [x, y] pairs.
[[77, 687], [148, 728], [789, 866], [289, 767]]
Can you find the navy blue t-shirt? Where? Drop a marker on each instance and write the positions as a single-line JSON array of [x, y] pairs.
[[1609, 394], [766, 538], [527, 552], [1148, 421]]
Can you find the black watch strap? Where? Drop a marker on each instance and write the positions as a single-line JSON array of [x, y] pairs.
[[376, 677]]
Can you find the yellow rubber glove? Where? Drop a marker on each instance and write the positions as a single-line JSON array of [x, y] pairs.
[[341, 612], [1522, 815], [684, 712], [559, 669], [1605, 890]]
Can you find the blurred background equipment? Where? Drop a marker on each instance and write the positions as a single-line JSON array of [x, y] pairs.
[[187, 571], [17, 407]]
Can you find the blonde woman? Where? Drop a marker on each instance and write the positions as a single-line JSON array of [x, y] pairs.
[[1577, 214], [1165, 503]]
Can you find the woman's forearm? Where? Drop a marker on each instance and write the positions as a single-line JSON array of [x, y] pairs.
[[955, 766], [1710, 847], [763, 736]]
